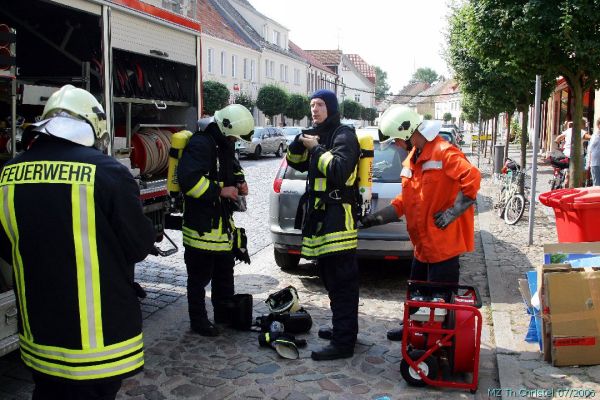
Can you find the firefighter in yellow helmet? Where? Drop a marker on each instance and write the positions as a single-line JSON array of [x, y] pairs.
[[73, 228], [439, 187], [211, 180]]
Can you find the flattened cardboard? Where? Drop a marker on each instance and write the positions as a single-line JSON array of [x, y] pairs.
[[573, 302]]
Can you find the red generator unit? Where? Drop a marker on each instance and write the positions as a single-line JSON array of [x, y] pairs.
[[442, 335]]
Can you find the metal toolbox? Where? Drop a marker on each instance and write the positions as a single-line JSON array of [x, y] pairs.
[[8, 322]]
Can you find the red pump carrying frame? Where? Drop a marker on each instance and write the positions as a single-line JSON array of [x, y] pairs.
[[462, 340]]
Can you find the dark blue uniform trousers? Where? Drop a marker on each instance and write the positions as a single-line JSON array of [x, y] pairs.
[[202, 268], [340, 276]]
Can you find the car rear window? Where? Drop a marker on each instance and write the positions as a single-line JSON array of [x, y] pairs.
[[387, 165]]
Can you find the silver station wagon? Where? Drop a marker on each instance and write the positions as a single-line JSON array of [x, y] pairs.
[[389, 241]]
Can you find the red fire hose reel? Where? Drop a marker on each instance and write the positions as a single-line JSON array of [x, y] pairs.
[[442, 335]]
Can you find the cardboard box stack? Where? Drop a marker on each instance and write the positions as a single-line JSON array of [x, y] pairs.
[[569, 294]]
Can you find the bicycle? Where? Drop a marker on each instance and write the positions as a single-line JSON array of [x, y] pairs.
[[560, 162], [511, 200]]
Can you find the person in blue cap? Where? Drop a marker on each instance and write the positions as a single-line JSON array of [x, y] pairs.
[[329, 151]]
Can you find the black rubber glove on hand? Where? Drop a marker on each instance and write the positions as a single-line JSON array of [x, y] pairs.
[[446, 217], [381, 217]]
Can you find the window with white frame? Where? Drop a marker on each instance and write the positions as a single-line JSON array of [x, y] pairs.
[[285, 74], [252, 70], [272, 69], [296, 76], [246, 69], [266, 32], [267, 68], [233, 66], [223, 70], [211, 60], [357, 97], [277, 38], [281, 72]]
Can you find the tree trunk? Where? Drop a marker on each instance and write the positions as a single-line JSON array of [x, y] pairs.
[[485, 128], [575, 163], [508, 119], [524, 138]]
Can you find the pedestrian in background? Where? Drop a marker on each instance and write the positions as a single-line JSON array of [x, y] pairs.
[[73, 228], [439, 187], [593, 155], [211, 179], [329, 152]]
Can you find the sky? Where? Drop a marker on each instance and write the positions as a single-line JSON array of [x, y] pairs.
[[398, 36]]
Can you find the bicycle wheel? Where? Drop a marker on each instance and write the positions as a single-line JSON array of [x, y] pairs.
[[500, 203], [514, 209]]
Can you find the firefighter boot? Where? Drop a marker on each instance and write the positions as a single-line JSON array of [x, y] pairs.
[[204, 327], [331, 352], [395, 335], [325, 333]]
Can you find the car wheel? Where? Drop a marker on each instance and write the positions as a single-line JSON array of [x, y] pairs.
[[279, 152], [257, 152], [286, 261]]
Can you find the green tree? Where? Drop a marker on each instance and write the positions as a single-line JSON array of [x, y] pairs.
[[424, 75], [447, 117], [272, 100], [369, 114], [535, 38], [427, 116], [381, 85], [296, 107], [245, 100], [350, 109], [215, 96]]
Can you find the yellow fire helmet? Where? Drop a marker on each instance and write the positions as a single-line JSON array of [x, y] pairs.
[[235, 120]]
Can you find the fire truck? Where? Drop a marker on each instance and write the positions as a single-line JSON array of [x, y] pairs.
[[142, 61]]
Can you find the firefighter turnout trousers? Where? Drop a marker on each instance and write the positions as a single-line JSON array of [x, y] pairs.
[[340, 277]]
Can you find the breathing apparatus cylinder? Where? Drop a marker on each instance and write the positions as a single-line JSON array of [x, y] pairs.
[[178, 142], [365, 171]]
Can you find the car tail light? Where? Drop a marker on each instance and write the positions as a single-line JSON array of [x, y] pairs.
[[279, 177], [294, 252], [391, 258]]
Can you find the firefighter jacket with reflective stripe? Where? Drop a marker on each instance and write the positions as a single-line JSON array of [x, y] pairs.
[[208, 163], [430, 183], [329, 204], [73, 228]]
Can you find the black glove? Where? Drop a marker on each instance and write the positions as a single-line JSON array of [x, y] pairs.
[[381, 217], [240, 245], [446, 217], [139, 290]]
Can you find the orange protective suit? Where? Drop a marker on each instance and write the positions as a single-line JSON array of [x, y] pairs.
[[430, 184]]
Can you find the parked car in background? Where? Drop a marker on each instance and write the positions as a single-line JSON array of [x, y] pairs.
[[291, 132], [455, 130], [389, 241], [269, 140], [449, 135]]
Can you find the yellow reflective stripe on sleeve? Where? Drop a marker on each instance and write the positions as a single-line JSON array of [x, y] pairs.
[[199, 188], [9, 223], [74, 356], [297, 158], [324, 161], [320, 184], [48, 172], [349, 218], [96, 371], [88, 276], [352, 177]]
